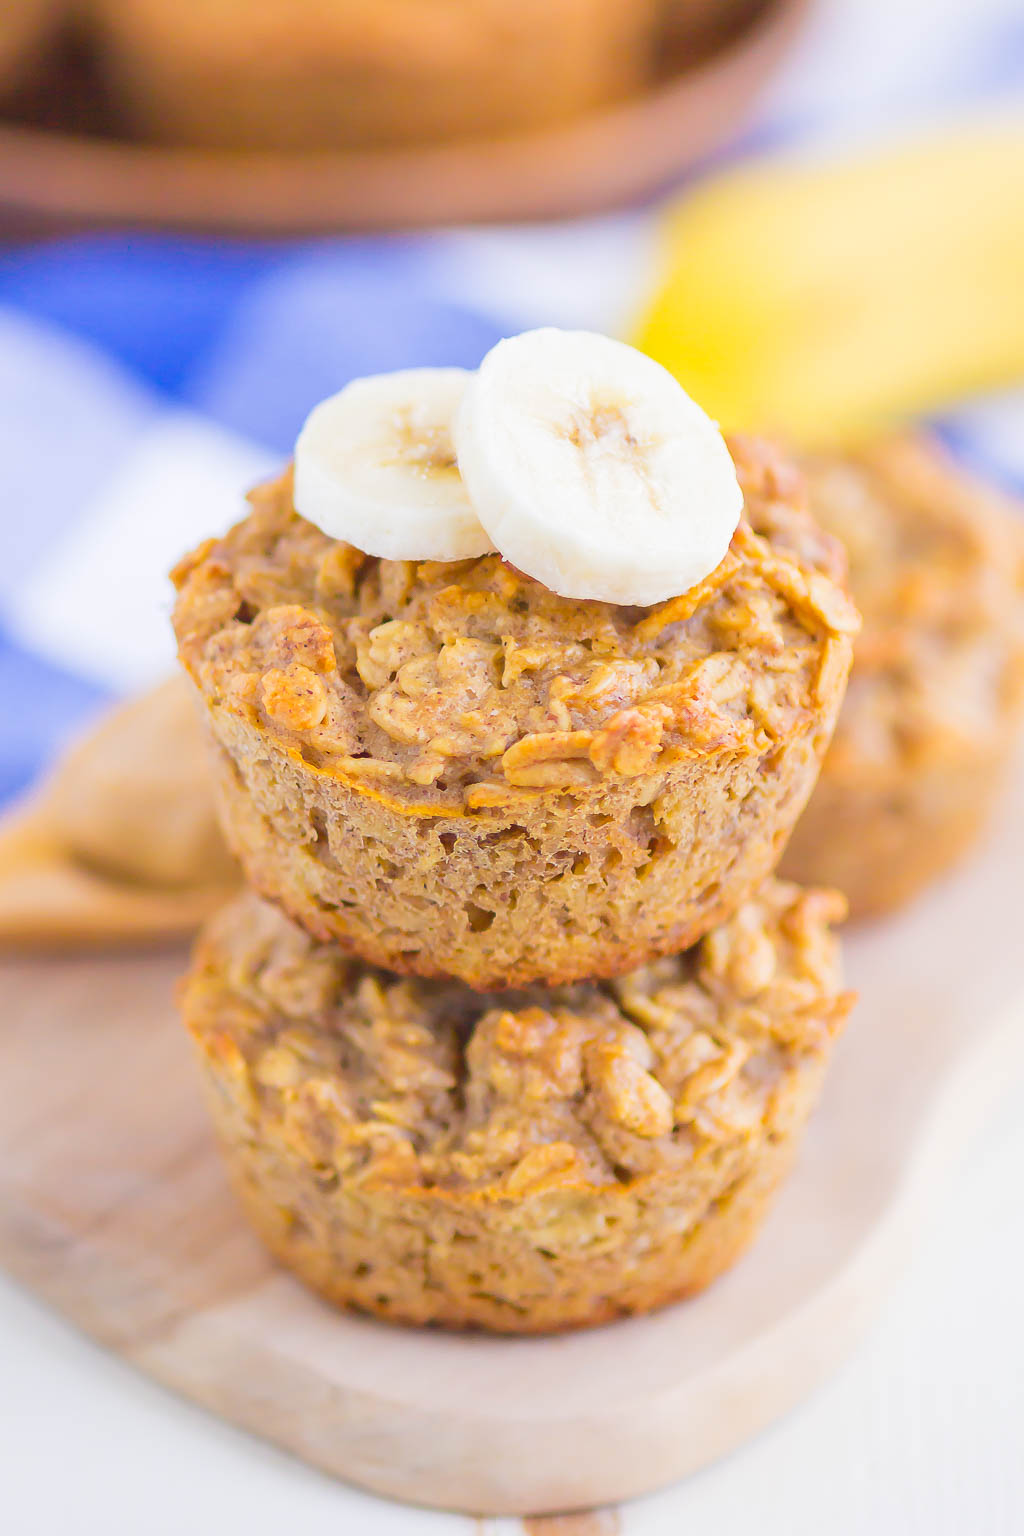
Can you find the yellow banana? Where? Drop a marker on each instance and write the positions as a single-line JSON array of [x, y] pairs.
[[828, 300]]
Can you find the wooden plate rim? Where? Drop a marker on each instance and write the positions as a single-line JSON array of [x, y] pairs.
[[587, 166]]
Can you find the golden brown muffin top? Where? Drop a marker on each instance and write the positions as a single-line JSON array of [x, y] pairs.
[[937, 569], [465, 683], [398, 1082]]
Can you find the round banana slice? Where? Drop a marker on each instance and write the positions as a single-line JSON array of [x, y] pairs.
[[593, 471], [375, 466]]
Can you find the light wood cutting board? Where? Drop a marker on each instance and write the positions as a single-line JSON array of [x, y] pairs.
[[53, 175], [113, 1207]]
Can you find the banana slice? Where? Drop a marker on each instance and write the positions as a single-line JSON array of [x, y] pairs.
[[375, 466], [592, 470]]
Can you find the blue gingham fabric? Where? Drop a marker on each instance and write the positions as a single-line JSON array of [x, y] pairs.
[[146, 381]]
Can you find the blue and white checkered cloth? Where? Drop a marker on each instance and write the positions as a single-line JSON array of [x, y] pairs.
[[144, 381]]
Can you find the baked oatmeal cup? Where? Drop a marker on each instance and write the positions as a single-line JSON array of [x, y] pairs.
[[300, 75], [450, 770], [932, 715], [520, 1162]]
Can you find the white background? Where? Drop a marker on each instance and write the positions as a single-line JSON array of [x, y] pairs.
[[923, 1432]]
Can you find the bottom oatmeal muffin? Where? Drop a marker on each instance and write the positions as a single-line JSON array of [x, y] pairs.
[[931, 716], [521, 1162]]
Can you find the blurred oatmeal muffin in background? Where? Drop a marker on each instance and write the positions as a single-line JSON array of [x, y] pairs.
[[449, 769], [936, 695], [521, 1162], [320, 74], [27, 27]]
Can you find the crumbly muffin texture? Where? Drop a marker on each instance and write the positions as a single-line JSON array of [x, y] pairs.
[[449, 683], [523, 1161], [937, 688], [450, 768]]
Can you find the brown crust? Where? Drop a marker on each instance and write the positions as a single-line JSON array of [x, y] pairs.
[[930, 721], [524, 1162], [448, 769]]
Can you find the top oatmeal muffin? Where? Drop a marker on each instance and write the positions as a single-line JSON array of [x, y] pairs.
[[450, 770], [937, 690]]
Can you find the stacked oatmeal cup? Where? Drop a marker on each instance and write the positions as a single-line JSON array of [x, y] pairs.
[[515, 688]]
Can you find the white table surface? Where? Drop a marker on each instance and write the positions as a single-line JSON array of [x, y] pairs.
[[923, 1431]]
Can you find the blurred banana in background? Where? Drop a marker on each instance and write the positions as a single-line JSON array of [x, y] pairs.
[[828, 300]]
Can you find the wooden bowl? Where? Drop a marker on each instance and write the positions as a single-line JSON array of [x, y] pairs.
[[54, 176]]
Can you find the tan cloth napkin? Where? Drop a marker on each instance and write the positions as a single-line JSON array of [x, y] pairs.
[[121, 845]]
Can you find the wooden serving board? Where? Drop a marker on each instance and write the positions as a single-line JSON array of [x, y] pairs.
[[113, 1207], [55, 175]]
